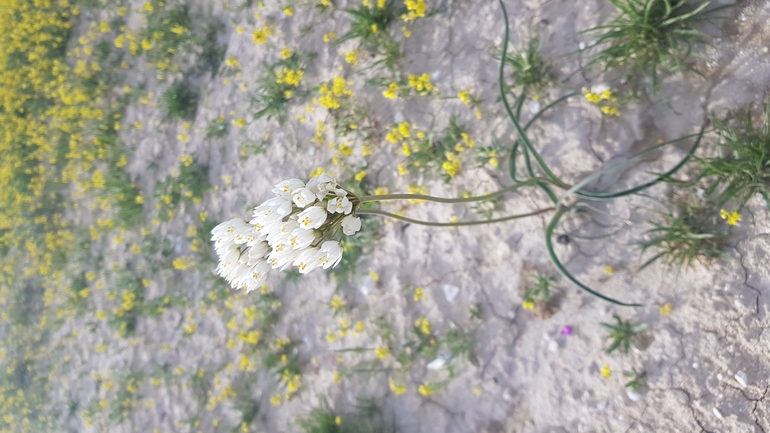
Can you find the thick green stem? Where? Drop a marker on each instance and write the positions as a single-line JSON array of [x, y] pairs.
[[384, 197], [451, 224]]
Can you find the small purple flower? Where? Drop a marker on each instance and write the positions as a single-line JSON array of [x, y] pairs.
[[566, 330]]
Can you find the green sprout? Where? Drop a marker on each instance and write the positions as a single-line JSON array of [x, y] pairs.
[[277, 86], [622, 334], [651, 36], [540, 291], [686, 236], [637, 381], [371, 27], [743, 168], [217, 128], [180, 101], [529, 69], [368, 418]]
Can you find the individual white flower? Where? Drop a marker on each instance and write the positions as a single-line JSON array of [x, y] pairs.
[[228, 255], [303, 197], [312, 217], [280, 232], [340, 205], [245, 234], [257, 276], [322, 185], [281, 206], [329, 255], [286, 188], [351, 224], [225, 232], [301, 238], [306, 260], [237, 274], [280, 257], [256, 252]]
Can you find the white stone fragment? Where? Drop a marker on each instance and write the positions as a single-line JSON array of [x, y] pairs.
[[633, 395], [367, 285], [553, 346], [717, 413], [436, 364], [742, 379], [534, 107], [602, 405], [450, 292]]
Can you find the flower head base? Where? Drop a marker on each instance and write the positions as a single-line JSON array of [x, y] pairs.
[[294, 228]]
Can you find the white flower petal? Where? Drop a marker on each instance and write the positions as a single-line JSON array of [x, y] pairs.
[[351, 224]]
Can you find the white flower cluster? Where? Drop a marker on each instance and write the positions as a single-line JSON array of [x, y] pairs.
[[291, 228]]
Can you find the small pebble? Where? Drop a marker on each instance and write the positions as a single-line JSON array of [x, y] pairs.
[[450, 292], [738, 303], [582, 46], [436, 364], [367, 285], [742, 379], [553, 346], [717, 413], [633, 395], [602, 405], [534, 107], [719, 376], [695, 365]]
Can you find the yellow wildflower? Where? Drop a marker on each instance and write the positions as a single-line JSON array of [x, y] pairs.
[[260, 35], [396, 388], [391, 92], [337, 302], [381, 352], [329, 36], [351, 57], [733, 218], [606, 371], [665, 309], [426, 389], [418, 294], [178, 29]]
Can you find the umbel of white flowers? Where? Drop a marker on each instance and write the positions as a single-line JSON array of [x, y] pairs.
[[294, 228]]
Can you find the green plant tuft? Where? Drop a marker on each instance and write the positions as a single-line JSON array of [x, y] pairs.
[[743, 168], [650, 36], [622, 334]]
